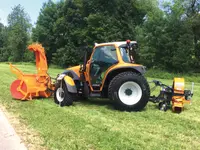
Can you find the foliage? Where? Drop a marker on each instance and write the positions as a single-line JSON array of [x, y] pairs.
[[16, 36], [168, 40], [168, 33], [43, 32], [75, 24], [4, 54], [18, 32]]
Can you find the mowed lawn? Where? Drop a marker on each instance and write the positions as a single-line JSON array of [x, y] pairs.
[[95, 125]]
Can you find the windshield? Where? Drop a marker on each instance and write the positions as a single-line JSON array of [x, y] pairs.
[[125, 55]]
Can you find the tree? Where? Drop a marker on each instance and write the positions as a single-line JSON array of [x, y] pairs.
[[167, 39], [65, 27], [192, 10], [1, 35], [44, 30], [168, 36], [4, 53], [19, 28]]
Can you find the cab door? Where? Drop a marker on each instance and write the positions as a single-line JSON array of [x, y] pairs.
[[103, 58]]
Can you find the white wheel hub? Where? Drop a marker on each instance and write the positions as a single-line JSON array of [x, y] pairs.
[[60, 94], [130, 93]]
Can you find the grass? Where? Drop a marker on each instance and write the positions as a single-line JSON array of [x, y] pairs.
[[161, 74], [95, 125]]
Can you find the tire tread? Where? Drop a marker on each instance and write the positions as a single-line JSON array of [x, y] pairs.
[[121, 76]]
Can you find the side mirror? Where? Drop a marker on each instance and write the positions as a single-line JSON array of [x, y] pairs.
[[135, 46]]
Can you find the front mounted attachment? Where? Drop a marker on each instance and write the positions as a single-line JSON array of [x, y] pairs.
[[28, 86]]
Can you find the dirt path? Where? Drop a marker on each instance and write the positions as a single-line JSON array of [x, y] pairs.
[[9, 140]]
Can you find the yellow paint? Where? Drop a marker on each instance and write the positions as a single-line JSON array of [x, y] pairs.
[[76, 69], [179, 84], [69, 80], [179, 101]]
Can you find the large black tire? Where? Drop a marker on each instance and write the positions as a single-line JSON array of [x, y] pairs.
[[138, 94], [62, 96]]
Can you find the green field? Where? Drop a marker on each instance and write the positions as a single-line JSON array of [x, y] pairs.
[[95, 125]]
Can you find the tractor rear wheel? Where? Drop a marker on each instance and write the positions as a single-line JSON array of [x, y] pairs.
[[62, 95], [130, 91]]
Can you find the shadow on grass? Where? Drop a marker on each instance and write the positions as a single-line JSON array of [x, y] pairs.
[[98, 102], [106, 103], [91, 102]]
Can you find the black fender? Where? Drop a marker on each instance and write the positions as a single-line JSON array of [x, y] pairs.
[[70, 84], [138, 69], [72, 74], [69, 81]]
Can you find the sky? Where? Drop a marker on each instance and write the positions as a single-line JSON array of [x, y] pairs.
[[32, 7]]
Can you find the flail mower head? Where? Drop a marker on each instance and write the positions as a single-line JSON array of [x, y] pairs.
[[28, 86]]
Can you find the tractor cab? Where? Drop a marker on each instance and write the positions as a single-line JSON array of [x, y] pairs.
[[106, 56]]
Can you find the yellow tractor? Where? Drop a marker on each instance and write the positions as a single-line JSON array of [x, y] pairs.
[[110, 73]]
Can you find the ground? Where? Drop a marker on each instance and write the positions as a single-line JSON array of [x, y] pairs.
[[9, 140], [95, 125]]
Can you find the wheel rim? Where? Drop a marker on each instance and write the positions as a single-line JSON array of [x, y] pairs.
[[60, 94], [130, 93]]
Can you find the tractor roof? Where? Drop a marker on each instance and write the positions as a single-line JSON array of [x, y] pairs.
[[117, 43]]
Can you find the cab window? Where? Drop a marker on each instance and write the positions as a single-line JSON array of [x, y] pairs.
[[103, 58]]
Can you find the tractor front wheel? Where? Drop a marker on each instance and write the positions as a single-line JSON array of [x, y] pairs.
[[130, 91], [62, 95]]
